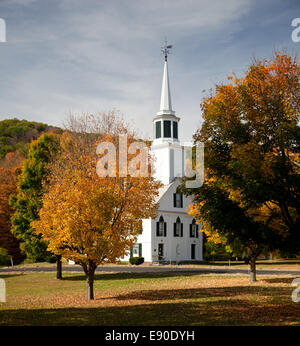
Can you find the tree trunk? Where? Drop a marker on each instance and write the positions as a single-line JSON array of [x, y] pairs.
[[58, 268], [90, 273], [253, 268]]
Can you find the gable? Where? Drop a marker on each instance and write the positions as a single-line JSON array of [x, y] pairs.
[[166, 198]]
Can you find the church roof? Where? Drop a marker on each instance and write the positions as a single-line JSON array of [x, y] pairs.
[[163, 190]]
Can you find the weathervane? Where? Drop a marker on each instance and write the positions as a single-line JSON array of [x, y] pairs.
[[166, 49]]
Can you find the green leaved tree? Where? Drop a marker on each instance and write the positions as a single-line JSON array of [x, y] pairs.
[[28, 200], [252, 140]]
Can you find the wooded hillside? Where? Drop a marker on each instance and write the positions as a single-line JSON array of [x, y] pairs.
[[15, 138], [16, 134]]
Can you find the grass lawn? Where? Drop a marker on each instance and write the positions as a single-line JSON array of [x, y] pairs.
[[148, 299]]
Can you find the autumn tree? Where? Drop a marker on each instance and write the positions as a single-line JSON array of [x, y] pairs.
[[251, 136], [91, 218], [7, 188], [27, 201]]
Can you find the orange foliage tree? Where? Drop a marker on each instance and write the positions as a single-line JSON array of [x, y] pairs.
[[88, 218], [7, 188]]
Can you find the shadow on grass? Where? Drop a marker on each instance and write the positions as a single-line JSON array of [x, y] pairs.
[[220, 312], [7, 276], [279, 280], [199, 293], [127, 276], [237, 305]]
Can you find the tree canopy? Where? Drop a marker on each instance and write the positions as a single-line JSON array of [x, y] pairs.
[[27, 201], [88, 218], [7, 188], [16, 134], [251, 135]]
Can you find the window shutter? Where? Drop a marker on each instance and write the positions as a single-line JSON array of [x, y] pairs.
[[174, 229], [165, 229], [181, 201], [157, 229], [197, 233], [131, 252], [174, 200], [181, 230], [140, 250], [191, 228]]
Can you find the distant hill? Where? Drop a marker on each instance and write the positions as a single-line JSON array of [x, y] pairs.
[[15, 138], [17, 134]]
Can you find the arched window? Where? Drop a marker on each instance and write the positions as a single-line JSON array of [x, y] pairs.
[[178, 228], [194, 229], [161, 227]]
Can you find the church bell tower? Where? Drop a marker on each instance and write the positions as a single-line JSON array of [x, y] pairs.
[[166, 147]]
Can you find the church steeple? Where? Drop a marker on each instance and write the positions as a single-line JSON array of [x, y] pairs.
[[165, 122], [165, 99]]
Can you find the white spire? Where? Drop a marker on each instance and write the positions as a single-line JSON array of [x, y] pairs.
[[165, 99]]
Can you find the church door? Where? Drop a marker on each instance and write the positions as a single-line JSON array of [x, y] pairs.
[[160, 252], [193, 251]]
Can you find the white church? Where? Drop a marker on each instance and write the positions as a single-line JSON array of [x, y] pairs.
[[174, 235]]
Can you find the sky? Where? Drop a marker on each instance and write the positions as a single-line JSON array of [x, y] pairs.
[[88, 56]]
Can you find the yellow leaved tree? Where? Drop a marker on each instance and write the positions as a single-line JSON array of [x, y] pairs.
[[88, 218]]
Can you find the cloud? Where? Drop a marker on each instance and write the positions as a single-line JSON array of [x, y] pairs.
[[73, 55], [12, 3]]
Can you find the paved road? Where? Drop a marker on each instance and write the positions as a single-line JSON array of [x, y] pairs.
[[155, 269]]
